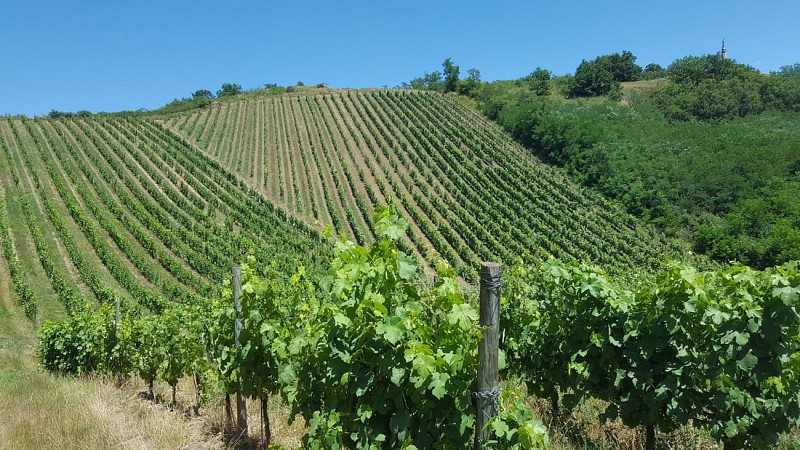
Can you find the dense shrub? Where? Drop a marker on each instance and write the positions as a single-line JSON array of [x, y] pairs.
[[604, 75], [710, 88]]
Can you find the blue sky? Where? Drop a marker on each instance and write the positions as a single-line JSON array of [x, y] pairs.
[[116, 55]]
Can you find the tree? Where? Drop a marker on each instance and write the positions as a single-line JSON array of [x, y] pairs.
[[470, 85], [653, 71], [447, 80], [792, 71], [623, 67], [710, 87], [592, 79], [604, 75], [202, 93], [539, 81], [56, 114], [430, 81], [450, 73], [694, 69], [781, 92], [229, 89]]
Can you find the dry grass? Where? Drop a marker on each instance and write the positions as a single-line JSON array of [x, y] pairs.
[[642, 86], [45, 412], [283, 434], [583, 428], [38, 410]]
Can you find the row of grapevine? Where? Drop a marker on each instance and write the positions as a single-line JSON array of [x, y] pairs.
[[372, 359], [277, 229], [18, 278], [26, 182], [573, 197], [146, 212], [379, 173], [444, 151], [47, 194], [134, 222], [717, 349], [96, 225], [341, 204], [67, 294], [347, 193], [369, 358], [449, 226]]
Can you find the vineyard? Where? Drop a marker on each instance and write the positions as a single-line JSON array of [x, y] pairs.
[[93, 210], [470, 192], [372, 359], [120, 234]]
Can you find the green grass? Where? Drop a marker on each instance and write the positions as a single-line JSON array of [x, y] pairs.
[[46, 299]]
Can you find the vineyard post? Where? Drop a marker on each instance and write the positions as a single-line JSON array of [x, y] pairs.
[[487, 391], [241, 408], [116, 312], [115, 330]]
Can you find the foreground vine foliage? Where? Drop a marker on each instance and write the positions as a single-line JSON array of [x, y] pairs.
[[717, 348], [369, 356], [373, 358], [382, 363]]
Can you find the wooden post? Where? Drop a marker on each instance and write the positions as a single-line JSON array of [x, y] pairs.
[[650, 439], [265, 422], [116, 311], [114, 332], [241, 407], [487, 390], [197, 396], [228, 415]]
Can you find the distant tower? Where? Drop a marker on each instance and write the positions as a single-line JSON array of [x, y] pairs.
[[724, 50]]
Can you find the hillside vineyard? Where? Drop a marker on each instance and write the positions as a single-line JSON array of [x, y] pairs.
[[118, 208], [471, 193], [158, 210]]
